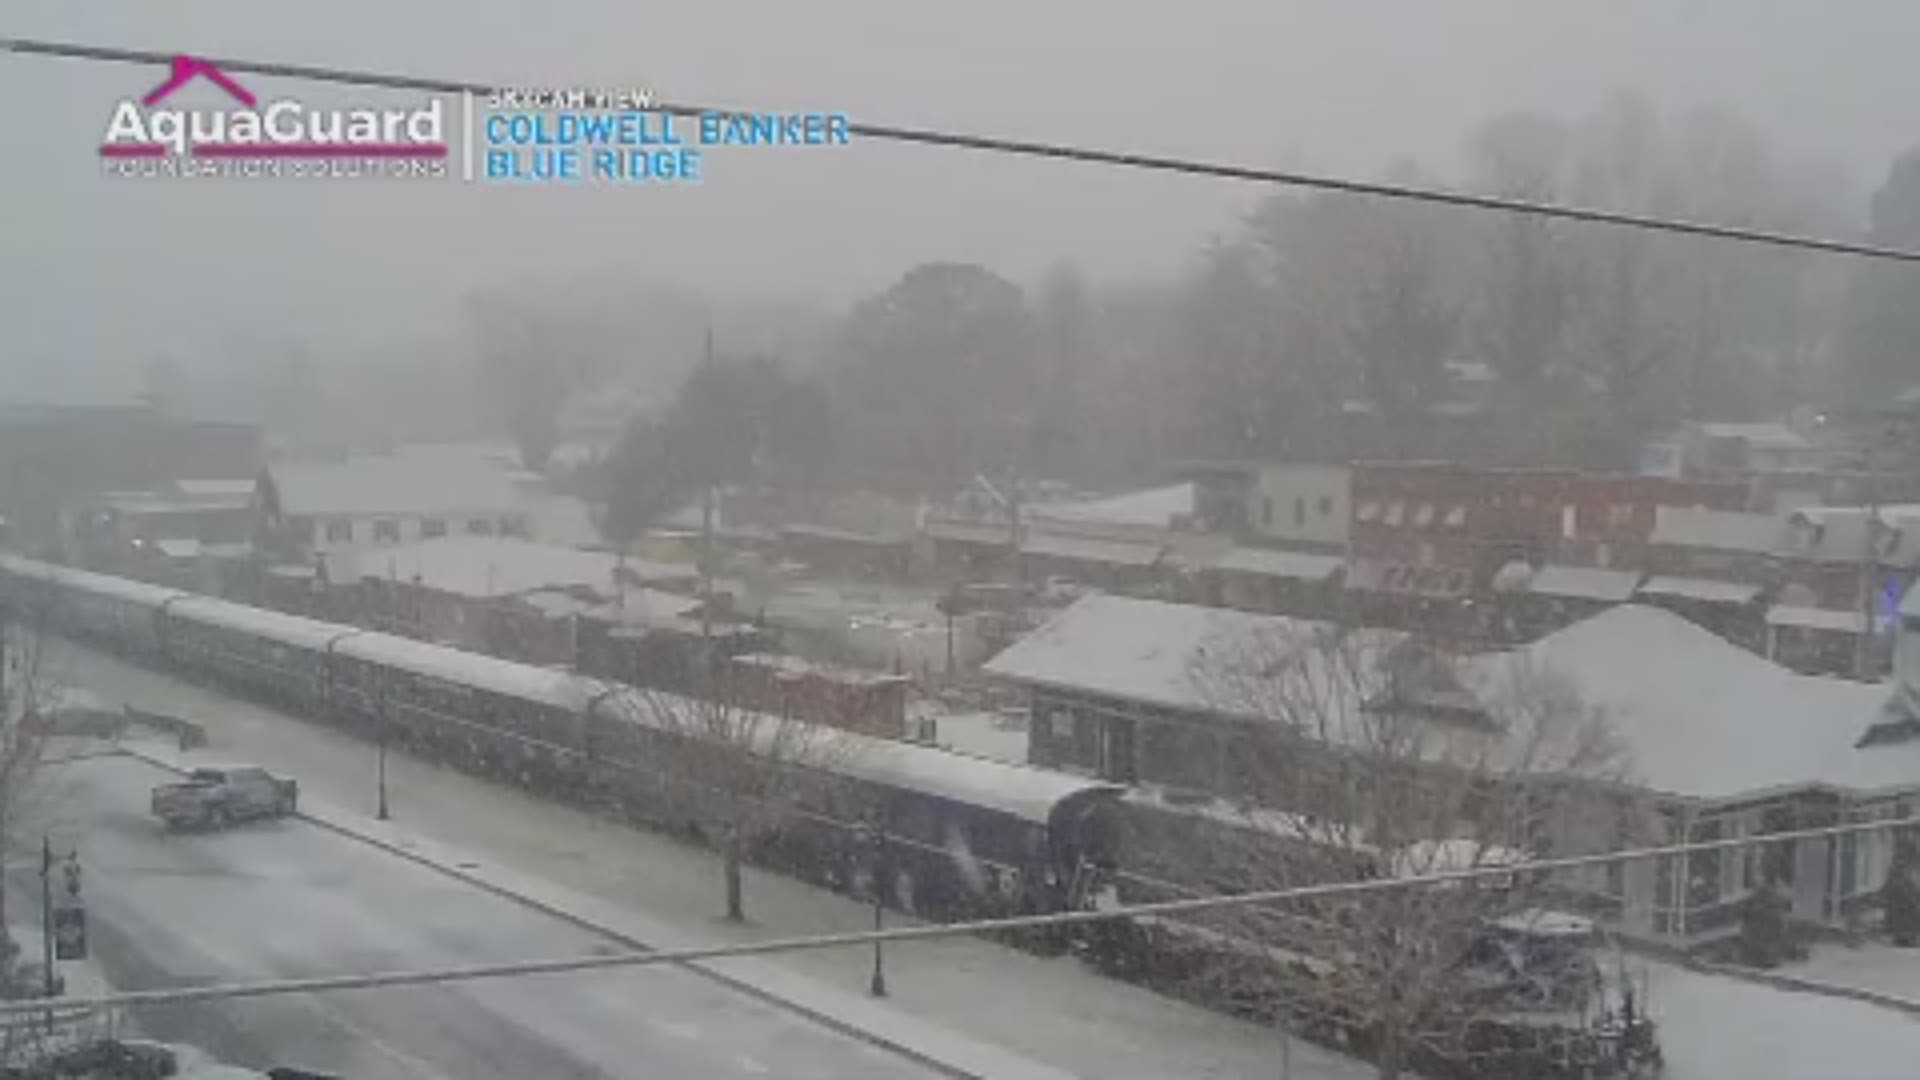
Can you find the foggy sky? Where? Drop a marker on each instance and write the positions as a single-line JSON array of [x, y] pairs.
[[97, 274]]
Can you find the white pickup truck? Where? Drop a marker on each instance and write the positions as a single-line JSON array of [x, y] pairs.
[[213, 797]]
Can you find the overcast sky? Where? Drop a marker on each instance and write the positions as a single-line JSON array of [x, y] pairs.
[[98, 274]]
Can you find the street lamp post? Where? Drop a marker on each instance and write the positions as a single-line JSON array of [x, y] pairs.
[[381, 812], [46, 913], [877, 847]]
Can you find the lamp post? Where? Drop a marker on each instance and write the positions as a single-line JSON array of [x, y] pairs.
[[876, 838], [381, 766], [46, 913]]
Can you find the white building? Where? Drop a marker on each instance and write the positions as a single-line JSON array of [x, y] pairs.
[[340, 510]]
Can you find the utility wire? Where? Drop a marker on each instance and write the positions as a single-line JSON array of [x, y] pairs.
[[1327, 891], [994, 144]]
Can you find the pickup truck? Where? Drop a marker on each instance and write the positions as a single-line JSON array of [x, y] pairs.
[[211, 798]]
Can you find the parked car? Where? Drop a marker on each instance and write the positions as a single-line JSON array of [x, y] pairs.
[[210, 798]]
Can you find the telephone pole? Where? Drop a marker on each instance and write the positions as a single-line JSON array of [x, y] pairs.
[[1863, 653]]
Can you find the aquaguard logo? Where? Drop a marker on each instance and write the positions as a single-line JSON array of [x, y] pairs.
[[241, 134]]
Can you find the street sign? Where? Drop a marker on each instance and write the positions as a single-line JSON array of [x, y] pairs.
[[70, 932]]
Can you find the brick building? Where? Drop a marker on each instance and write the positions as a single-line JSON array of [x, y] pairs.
[[1411, 519]]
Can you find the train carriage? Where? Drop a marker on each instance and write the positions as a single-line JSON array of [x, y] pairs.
[[264, 654], [961, 836], [964, 836], [113, 612], [519, 721]]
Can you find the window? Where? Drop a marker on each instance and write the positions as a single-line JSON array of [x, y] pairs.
[[432, 527], [480, 527], [1266, 511], [1325, 505], [386, 531], [340, 530], [1299, 511]]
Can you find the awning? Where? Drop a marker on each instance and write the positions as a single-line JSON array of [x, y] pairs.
[[1705, 590], [1809, 618], [178, 549], [1585, 583], [1086, 549], [1373, 575], [1294, 565]]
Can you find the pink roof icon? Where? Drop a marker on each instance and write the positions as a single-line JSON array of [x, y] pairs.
[[185, 70]]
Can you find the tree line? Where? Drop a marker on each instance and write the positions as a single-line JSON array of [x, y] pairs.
[[1320, 326]]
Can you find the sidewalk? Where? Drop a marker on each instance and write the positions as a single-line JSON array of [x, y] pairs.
[[947, 993], [1876, 968]]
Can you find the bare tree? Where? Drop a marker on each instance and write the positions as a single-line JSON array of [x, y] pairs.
[[736, 772], [27, 694], [1359, 753]]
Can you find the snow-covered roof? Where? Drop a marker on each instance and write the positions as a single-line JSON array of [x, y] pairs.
[[135, 592], [1584, 582], [788, 664], [216, 489], [546, 686], [401, 485], [1718, 530], [968, 532], [1090, 549], [1138, 650], [1838, 534], [1703, 718], [494, 566], [1770, 435], [1300, 565], [294, 630], [1027, 793], [1157, 507], [1706, 590], [1810, 618]]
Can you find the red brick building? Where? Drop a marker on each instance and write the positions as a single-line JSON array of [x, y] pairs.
[[1440, 528]]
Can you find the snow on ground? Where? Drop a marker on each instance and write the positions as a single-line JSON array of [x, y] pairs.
[[1716, 1028], [978, 734]]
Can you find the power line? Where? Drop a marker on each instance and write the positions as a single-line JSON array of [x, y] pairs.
[[1326, 891], [994, 144]]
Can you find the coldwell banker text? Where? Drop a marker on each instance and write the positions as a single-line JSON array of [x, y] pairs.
[[635, 146]]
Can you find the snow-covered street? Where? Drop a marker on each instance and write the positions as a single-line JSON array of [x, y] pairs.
[[285, 899]]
